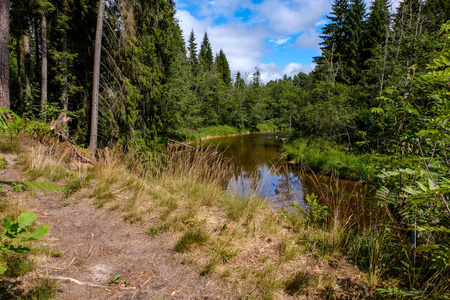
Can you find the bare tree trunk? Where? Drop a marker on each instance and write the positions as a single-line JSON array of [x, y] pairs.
[[4, 53], [27, 65], [19, 57], [44, 79], [96, 79], [65, 95]]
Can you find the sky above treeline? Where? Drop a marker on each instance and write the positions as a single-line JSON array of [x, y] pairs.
[[277, 36]]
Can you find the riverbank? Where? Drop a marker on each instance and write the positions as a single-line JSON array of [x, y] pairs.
[[205, 133], [327, 158], [239, 245]]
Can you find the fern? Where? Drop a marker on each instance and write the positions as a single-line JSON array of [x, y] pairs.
[[21, 186], [9, 122]]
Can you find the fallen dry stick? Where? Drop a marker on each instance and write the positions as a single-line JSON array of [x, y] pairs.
[[87, 283]]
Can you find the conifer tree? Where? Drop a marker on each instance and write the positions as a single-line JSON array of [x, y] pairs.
[[223, 68], [335, 43], [353, 56], [205, 55], [376, 43], [192, 51]]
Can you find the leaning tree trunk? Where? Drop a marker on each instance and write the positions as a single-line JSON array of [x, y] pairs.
[[4, 53], [96, 79], [44, 80]]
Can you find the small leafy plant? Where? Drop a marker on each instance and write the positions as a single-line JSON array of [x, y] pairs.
[[114, 280], [316, 212], [16, 232]]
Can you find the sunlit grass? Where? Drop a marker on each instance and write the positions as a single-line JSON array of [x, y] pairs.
[[241, 240]]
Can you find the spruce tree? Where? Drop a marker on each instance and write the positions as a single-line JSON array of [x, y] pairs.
[[223, 68], [376, 44], [206, 56], [335, 36], [192, 50], [353, 55]]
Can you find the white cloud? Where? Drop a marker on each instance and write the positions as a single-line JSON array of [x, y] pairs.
[[272, 71], [293, 16], [308, 39], [188, 22], [244, 43], [279, 42]]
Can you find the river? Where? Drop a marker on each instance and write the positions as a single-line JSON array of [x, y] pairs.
[[259, 167]]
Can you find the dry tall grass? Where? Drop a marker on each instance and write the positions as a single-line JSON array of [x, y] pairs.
[[242, 241]]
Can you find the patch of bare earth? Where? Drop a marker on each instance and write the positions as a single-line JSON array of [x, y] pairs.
[[96, 245]]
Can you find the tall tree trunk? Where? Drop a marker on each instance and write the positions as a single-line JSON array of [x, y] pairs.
[[4, 53], [65, 66], [65, 94], [96, 79], [19, 57], [27, 65], [44, 80]]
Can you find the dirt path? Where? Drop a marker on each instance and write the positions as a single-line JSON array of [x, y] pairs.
[[96, 244]]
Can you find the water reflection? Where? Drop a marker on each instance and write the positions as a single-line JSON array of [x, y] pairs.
[[257, 164]]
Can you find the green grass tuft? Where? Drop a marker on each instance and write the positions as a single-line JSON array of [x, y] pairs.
[[294, 285], [191, 238]]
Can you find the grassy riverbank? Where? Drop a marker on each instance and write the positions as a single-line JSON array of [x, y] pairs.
[[325, 158], [221, 130], [253, 251]]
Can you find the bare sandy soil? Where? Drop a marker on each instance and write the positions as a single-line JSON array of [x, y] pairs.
[[96, 244]]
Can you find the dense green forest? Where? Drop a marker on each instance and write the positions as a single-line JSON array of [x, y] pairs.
[[380, 88], [153, 86]]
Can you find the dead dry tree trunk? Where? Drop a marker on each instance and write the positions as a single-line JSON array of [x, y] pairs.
[[96, 79]]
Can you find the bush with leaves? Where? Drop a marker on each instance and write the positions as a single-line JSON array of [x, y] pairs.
[[15, 233], [416, 189]]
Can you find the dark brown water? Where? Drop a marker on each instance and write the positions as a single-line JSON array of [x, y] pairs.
[[259, 167]]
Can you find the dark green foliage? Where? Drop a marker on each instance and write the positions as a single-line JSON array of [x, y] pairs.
[[223, 67], [206, 55], [192, 52]]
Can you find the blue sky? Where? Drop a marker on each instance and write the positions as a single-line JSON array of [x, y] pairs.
[[277, 36]]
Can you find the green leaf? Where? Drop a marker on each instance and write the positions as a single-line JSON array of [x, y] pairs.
[[37, 234], [26, 219], [2, 269]]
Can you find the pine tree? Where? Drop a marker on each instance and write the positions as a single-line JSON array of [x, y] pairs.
[[205, 55], [192, 50], [353, 57], [376, 44], [223, 67], [335, 43]]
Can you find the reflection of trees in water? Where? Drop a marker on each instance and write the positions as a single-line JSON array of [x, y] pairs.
[[275, 183]]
